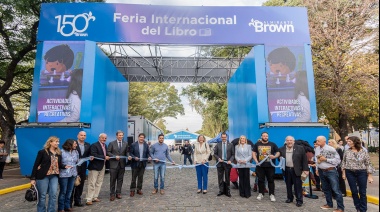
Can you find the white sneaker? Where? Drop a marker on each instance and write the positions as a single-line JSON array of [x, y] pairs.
[[260, 197], [272, 198]]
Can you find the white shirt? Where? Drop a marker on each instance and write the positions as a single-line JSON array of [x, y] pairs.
[[330, 154]]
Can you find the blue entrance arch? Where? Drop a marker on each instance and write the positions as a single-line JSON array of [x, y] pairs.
[[263, 93]]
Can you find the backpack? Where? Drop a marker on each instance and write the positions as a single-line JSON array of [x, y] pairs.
[[31, 194]]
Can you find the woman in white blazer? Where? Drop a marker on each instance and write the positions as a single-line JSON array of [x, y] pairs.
[[201, 154], [243, 156]]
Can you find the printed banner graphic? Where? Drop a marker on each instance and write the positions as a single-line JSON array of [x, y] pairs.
[[287, 84], [123, 23], [60, 88]]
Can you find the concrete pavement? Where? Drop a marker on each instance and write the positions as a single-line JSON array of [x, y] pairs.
[[180, 187]]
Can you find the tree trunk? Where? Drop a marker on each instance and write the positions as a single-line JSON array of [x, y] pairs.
[[7, 135], [343, 125]]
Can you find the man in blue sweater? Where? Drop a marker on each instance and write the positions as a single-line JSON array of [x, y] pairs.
[[159, 152]]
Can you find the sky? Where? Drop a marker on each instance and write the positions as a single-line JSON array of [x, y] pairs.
[[191, 120]]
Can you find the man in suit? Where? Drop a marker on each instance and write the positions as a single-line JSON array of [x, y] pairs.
[[96, 169], [116, 149], [138, 151], [296, 165], [224, 151], [83, 149]]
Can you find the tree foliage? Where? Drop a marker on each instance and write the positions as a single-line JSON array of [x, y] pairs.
[[18, 30], [209, 100], [344, 35], [154, 101]]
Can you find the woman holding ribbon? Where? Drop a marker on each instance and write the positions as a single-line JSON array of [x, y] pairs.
[[201, 153], [357, 168], [45, 174], [67, 174], [243, 156]]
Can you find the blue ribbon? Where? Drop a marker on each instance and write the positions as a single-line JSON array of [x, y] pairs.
[[247, 165]]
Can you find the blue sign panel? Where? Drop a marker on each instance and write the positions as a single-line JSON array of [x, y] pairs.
[[60, 85], [287, 84], [181, 135], [123, 23]]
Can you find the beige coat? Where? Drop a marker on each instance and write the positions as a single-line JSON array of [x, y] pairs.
[[201, 152]]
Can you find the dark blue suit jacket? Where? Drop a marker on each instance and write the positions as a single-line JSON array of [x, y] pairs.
[[134, 152], [97, 151]]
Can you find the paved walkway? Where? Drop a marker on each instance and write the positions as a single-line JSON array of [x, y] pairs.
[[180, 196]]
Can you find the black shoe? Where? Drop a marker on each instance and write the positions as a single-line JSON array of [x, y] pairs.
[[220, 193], [288, 201], [236, 185], [78, 204], [299, 204], [228, 194]]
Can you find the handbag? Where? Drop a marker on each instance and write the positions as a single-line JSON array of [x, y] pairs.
[[8, 159], [77, 181], [31, 194], [210, 156]]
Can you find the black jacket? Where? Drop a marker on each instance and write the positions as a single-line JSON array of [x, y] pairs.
[[43, 160], [97, 151], [83, 167], [135, 152], [299, 159]]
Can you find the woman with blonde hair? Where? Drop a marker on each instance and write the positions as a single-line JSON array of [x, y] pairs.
[[342, 184], [45, 174], [243, 156], [201, 154]]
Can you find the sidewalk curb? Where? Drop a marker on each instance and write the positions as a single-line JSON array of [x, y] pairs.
[[15, 188], [370, 199]]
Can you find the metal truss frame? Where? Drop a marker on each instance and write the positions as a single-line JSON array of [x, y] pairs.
[[150, 65]]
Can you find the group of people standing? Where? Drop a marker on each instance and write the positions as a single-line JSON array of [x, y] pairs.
[[54, 166]]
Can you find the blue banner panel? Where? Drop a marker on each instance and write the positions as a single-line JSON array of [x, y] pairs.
[[287, 84], [32, 139], [103, 22], [60, 84], [182, 135]]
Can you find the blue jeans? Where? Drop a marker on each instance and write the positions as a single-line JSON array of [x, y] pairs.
[[159, 169], [202, 173], [185, 157], [358, 178], [66, 186], [330, 183], [48, 185]]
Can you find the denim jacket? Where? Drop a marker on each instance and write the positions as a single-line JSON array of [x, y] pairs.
[[69, 159]]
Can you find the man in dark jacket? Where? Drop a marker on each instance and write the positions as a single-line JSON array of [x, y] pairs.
[[187, 150], [296, 165], [116, 149], [139, 150], [96, 168], [83, 149]]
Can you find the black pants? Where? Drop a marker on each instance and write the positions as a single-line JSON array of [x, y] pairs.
[[342, 184], [244, 182], [317, 179], [137, 174], [78, 190], [224, 172], [291, 179], [2, 164], [267, 172], [116, 177]]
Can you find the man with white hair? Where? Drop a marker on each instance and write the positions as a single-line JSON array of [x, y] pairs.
[[296, 166], [96, 168], [327, 160]]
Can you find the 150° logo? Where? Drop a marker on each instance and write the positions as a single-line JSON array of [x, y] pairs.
[[69, 25]]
